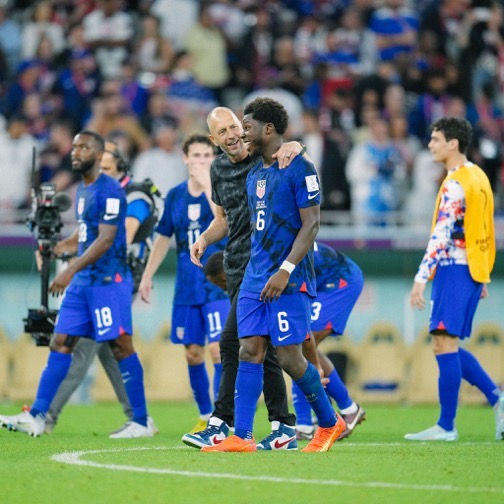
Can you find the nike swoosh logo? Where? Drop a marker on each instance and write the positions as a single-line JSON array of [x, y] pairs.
[[110, 217], [101, 332], [216, 440], [214, 334], [311, 196], [281, 338], [280, 444]]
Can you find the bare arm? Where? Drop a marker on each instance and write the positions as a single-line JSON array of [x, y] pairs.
[[68, 245], [104, 240], [132, 225], [156, 257], [310, 219], [215, 232]]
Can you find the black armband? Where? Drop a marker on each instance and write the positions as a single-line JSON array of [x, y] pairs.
[[303, 150]]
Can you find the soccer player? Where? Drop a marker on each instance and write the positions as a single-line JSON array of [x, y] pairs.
[[98, 291], [459, 257], [279, 283], [199, 308], [140, 219], [229, 172], [339, 284]]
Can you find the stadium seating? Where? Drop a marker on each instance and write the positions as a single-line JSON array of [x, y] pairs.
[[381, 365], [28, 361], [422, 387], [5, 364]]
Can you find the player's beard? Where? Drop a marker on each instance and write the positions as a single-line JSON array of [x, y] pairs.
[[84, 166]]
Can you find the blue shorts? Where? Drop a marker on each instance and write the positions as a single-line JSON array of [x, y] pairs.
[[331, 308], [454, 299], [286, 321], [100, 312], [195, 324]]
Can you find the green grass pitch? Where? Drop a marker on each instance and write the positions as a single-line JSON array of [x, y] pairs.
[[79, 464]]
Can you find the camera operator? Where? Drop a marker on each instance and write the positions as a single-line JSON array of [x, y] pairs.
[[141, 216], [98, 297]]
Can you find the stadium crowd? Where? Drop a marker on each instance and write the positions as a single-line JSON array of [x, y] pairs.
[[362, 80]]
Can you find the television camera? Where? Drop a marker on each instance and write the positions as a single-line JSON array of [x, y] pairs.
[[45, 218]]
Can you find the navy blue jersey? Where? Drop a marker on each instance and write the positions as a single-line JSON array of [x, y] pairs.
[[331, 267], [102, 202], [274, 198], [186, 217]]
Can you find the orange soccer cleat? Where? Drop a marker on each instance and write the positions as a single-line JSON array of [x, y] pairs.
[[325, 437], [232, 444]]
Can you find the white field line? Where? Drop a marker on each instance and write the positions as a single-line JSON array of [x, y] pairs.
[[74, 458]]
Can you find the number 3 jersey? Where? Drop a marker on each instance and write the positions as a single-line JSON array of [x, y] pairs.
[[186, 217], [102, 202], [275, 198]]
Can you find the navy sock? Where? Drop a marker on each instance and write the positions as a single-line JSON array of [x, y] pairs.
[[249, 385], [53, 374], [302, 407], [216, 380], [473, 372], [315, 394], [200, 385], [450, 378], [132, 375], [338, 391]]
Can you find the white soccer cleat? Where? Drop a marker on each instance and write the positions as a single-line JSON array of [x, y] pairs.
[[152, 425], [499, 418], [435, 433], [133, 430], [24, 422]]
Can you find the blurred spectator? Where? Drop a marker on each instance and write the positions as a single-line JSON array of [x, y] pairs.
[[430, 106], [188, 99], [254, 55], [109, 31], [111, 113], [425, 181], [309, 40], [10, 40], [157, 109], [163, 163], [34, 110], [133, 91], [78, 85], [445, 21], [207, 47], [154, 52], [177, 17], [349, 49], [27, 81], [16, 152], [407, 145], [284, 60], [229, 18], [373, 169], [41, 25], [395, 27], [55, 160], [485, 41], [269, 87], [488, 123]]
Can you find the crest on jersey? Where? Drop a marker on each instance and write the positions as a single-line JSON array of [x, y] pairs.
[[261, 188], [179, 331], [194, 211], [80, 205]]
